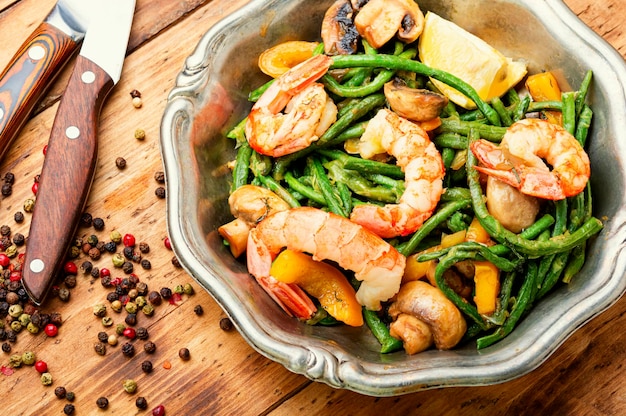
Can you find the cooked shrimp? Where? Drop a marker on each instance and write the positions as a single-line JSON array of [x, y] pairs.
[[309, 111], [518, 160], [423, 170], [375, 263]]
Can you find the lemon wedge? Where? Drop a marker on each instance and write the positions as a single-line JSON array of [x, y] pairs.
[[446, 46]]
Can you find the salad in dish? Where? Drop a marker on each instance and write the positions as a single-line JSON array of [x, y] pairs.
[[404, 175]]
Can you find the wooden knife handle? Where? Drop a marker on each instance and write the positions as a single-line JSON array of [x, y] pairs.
[[66, 177], [28, 75]]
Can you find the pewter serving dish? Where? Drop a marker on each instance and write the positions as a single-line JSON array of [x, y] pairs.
[[210, 96]]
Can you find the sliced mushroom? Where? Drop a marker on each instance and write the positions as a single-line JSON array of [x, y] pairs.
[[515, 210], [412, 103], [415, 335], [429, 305], [338, 30], [379, 20]]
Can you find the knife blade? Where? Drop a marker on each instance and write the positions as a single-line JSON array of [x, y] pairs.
[[37, 63], [70, 162]]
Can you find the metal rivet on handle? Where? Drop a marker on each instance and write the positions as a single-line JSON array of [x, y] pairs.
[[36, 52], [37, 265], [72, 132], [88, 77]]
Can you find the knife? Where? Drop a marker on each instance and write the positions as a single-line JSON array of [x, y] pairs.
[[70, 163], [37, 63]]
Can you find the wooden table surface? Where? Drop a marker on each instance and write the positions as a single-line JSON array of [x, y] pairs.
[[224, 375]]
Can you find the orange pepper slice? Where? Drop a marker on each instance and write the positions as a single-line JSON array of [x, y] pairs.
[[545, 87], [278, 59], [322, 281], [487, 281]]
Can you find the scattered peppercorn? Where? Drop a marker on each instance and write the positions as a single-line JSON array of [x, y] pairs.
[[70, 281], [135, 93], [130, 386], [131, 319], [146, 367], [100, 348], [141, 403], [160, 192], [154, 298], [144, 247], [94, 254], [226, 324], [142, 333], [159, 410], [64, 294], [46, 379], [51, 330], [110, 247], [19, 239], [103, 336], [7, 189], [120, 162], [112, 340], [184, 354], [98, 224], [159, 176], [29, 204], [127, 267], [198, 310], [99, 310], [149, 347], [175, 262], [28, 358], [137, 103], [60, 392], [86, 219], [102, 402], [166, 293], [18, 217], [41, 366], [128, 349], [70, 396], [140, 134]]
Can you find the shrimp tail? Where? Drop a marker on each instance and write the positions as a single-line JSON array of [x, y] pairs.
[[529, 181]]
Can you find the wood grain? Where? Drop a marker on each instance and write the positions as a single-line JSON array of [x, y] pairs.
[[225, 375]]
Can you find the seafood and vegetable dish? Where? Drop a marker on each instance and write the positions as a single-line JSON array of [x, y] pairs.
[[405, 175]]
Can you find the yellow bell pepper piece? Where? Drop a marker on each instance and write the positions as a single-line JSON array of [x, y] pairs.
[[322, 281], [487, 281], [544, 87], [476, 232], [449, 240]]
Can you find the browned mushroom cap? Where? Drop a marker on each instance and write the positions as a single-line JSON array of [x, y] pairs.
[[515, 210], [252, 203], [414, 104], [428, 304], [416, 335], [338, 31], [379, 20]]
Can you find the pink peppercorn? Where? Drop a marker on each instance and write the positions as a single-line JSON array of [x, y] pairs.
[[35, 188], [159, 410], [51, 330], [4, 260], [15, 276], [129, 333], [41, 366], [70, 267], [129, 240], [104, 272], [167, 243]]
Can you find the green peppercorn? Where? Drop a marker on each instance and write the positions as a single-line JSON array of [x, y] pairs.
[[70, 396], [116, 305], [130, 386], [24, 319], [140, 134], [11, 251], [28, 358], [29, 205], [119, 329], [188, 289], [16, 310], [116, 236], [32, 328], [99, 310], [107, 321], [74, 252], [15, 361], [118, 260], [148, 310], [179, 289], [131, 307], [16, 326], [46, 379], [141, 301], [92, 240]]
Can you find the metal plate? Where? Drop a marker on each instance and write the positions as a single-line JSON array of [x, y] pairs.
[[210, 97]]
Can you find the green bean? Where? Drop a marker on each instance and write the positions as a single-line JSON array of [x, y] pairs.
[[352, 132], [454, 193], [531, 248], [451, 140], [332, 200], [517, 311], [238, 132], [345, 195], [279, 190], [535, 230], [360, 185], [584, 122], [535, 106], [356, 76], [260, 165], [256, 94], [505, 117], [395, 185], [478, 250], [575, 262], [521, 108], [381, 332], [569, 111], [457, 222], [363, 165], [399, 63], [441, 215], [303, 189], [491, 133], [242, 163], [451, 111], [581, 96], [328, 138], [556, 269]]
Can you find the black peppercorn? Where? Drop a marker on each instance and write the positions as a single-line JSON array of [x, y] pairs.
[[154, 298], [175, 262], [100, 246], [86, 267], [100, 348], [18, 217], [94, 254], [141, 403], [159, 176], [135, 93], [112, 296], [86, 219], [9, 178], [7, 189], [198, 310], [103, 336], [160, 192], [55, 318], [60, 392], [131, 319], [142, 289], [184, 354], [144, 247], [98, 224], [64, 294], [111, 247], [11, 336], [19, 239], [141, 333], [120, 162], [149, 347], [70, 281], [68, 409], [146, 367], [127, 267], [226, 324], [128, 349], [166, 293], [5, 230], [145, 264], [128, 252], [70, 396], [6, 347], [102, 402]]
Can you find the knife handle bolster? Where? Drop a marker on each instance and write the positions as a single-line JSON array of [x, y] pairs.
[[28, 75], [66, 176]]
